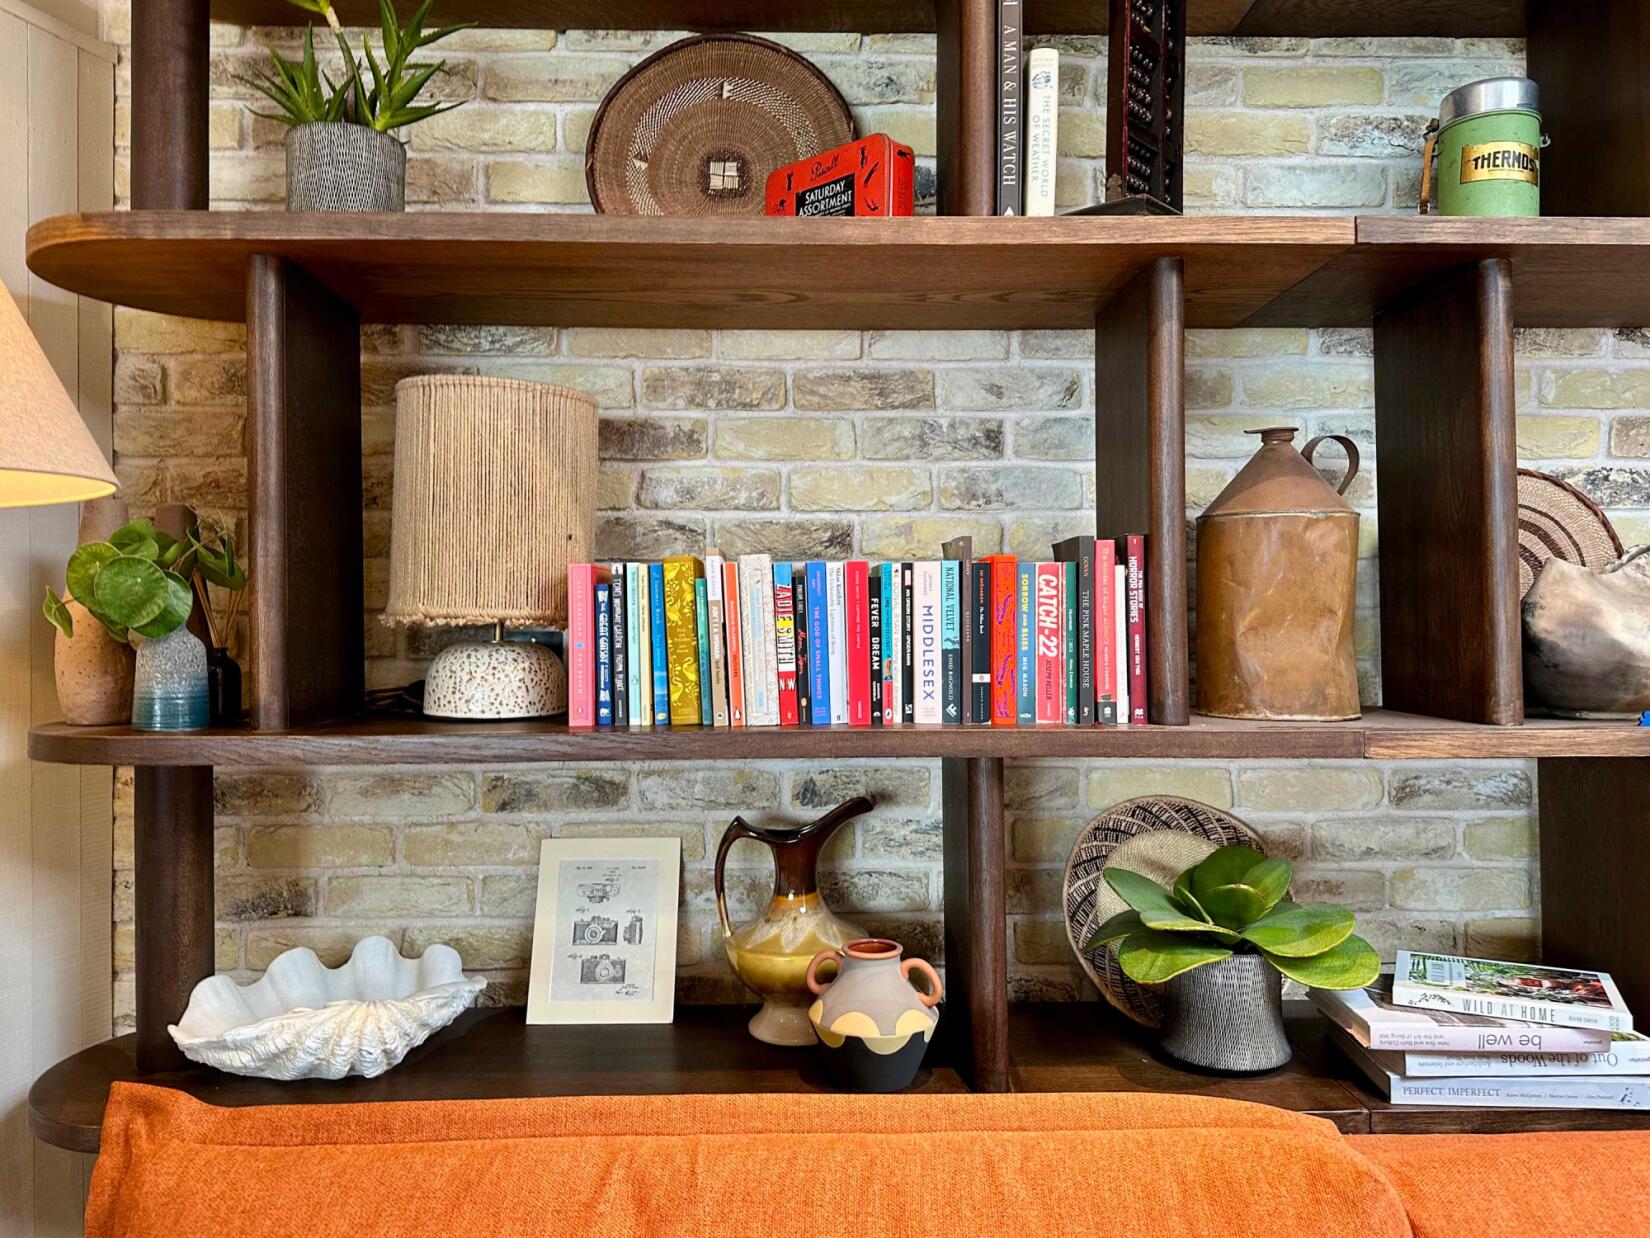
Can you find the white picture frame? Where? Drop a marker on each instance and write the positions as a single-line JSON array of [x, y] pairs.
[[604, 931]]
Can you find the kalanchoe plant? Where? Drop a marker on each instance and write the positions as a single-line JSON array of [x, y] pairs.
[[1232, 903], [145, 581], [305, 94]]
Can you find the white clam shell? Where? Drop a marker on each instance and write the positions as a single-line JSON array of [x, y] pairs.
[[301, 1020]]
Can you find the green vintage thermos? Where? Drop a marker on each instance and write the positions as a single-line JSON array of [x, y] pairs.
[[1487, 141]]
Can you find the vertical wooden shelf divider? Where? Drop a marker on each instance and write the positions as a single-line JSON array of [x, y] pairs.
[[976, 920], [1140, 461], [1595, 868], [966, 106], [304, 464], [171, 48], [176, 932], [1448, 498]]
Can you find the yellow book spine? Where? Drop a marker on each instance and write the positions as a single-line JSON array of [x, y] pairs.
[[682, 638]]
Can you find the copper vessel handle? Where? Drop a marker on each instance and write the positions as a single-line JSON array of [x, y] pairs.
[[1351, 450]]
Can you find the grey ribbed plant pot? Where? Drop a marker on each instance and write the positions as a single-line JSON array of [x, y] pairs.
[[342, 167], [1226, 1016]]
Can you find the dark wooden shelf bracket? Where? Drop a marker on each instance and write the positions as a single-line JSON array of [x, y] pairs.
[[1448, 498], [1140, 461], [170, 71], [976, 920]]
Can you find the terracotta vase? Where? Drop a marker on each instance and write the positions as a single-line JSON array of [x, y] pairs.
[[771, 954], [93, 670], [873, 1025]]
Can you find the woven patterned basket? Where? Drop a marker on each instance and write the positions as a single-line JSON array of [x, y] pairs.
[[1557, 521], [696, 129], [1158, 836]]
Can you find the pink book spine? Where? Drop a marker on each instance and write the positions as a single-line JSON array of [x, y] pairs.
[[1049, 622], [1134, 558], [1105, 625], [581, 644], [857, 591]]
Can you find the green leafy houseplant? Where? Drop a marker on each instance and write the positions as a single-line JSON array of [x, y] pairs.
[[145, 581], [1232, 903], [306, 94]]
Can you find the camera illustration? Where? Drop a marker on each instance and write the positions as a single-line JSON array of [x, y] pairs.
[[598, 891], [601, 969], [633, 931], [596, 931]]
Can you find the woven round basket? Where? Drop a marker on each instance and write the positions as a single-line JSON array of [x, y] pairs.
[[696, 129], [1157, 836], [1557, 521]]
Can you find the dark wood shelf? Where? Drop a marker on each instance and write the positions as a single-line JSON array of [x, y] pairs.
[[608, 270], [1322, 18], [401, 740], [494, 1054]]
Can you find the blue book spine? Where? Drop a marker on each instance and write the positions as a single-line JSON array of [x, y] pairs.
[[951, 639], [604, 655], [701, 613], [656, 626], [819, 651], [1027, 690]]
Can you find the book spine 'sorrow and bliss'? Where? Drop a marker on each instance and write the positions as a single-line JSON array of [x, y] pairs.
[[750, 642]]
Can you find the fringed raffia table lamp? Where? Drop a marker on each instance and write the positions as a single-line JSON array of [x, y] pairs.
[[494, 496]]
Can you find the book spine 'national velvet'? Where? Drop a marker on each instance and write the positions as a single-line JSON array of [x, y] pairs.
[[951, 670]]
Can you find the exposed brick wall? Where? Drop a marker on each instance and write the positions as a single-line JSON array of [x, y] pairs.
[[875, 443]]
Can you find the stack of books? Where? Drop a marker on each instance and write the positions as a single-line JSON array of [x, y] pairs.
[[1443, 1030], [751, 642]]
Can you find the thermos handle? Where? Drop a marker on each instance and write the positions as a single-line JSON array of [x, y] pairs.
[[1347, 444], [935, 989], [736, 830], [814, 986], [1426, 165]]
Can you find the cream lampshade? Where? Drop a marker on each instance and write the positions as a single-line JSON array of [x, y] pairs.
[[47, 455], [494, 496]]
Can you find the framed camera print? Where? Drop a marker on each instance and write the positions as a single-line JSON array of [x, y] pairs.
[[604, 932]]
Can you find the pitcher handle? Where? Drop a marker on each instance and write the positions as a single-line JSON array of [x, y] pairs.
[[1348, 446], [935, 989], [814, 986], [737, 829]]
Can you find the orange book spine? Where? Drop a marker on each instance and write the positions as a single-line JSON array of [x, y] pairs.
[[1004, 650], [736, 654]]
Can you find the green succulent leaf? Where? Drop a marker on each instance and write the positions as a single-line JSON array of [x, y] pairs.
[[1301, 932], [1222, 867], [1271, 878], [1114, 929], [130, 591], [1235, 905], [1185, 899], [1151, 957], [56, 611], [1157, 910], [180, 601], [84, 565], [1350, 965]]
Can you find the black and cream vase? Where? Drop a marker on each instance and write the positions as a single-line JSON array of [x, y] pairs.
[[1225, 1016], [344, 167], [873, 1024]]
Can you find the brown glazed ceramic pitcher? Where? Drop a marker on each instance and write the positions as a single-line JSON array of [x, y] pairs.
[[771, 954], [1277, 573]]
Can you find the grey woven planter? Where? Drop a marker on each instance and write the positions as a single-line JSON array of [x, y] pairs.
[[342, 167], [1226, 1016]]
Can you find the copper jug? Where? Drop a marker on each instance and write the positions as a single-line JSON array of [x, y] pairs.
[[1277, 574]]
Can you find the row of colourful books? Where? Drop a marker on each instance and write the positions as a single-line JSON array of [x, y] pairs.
[[748, 641], [1445, 1030]]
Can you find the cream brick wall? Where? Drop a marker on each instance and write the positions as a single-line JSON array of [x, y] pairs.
[[877, 443]]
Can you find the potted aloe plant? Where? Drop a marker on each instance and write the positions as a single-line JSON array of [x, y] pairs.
[[341, 150], [1216, 945]]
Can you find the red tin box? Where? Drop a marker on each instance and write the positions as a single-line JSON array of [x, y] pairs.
[[872, 176]]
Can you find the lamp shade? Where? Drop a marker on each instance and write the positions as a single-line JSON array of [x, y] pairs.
[[47, 455], [494, 495]]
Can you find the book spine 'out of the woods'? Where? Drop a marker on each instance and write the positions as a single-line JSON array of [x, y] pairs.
[[784, 639], [735, 641], [604, 654], [1049, 618], [659, 643], [1010, 30], [1025, 648], [581, 645], [1004, 651], [1105, 625], [927, 630], [718, 639], [950, 641], [1134, 550], [620, 627], [682, 638], [856, 587], [1042, 118], [804, 652], [701, 621], [820, 652], [837, 635]]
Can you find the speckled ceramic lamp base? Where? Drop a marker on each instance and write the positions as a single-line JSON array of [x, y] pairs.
[[495, 680]]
